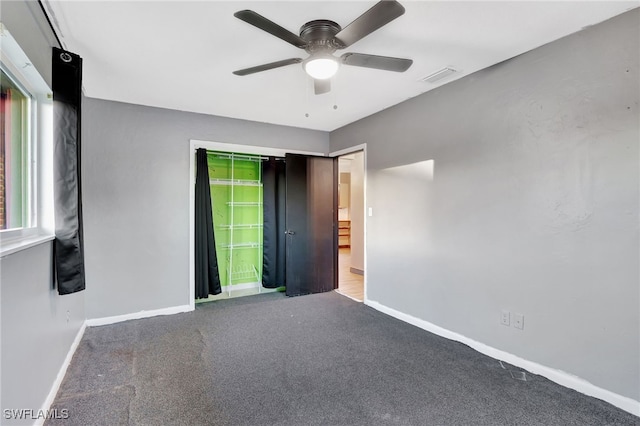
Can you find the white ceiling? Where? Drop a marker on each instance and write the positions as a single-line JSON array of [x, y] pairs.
[[180, 55]]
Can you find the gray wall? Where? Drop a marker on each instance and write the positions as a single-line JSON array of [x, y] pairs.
[[533, 204], [136, 198], [356, 211], [38, 327], [36, 332]]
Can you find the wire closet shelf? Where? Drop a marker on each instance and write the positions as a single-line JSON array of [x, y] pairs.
[[240, 273]]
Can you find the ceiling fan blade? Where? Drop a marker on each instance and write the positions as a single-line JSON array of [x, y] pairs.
[[321, 86], [386, 63], [379, 15], [251, 17], [269, 66]]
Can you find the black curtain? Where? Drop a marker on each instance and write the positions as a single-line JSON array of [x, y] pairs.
[[207, 275], [274, 198], [69, 246]]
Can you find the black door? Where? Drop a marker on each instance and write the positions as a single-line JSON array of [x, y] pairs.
[[311, 221]]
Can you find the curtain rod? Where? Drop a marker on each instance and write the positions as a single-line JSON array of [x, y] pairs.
[[253, 157], [53, 30]]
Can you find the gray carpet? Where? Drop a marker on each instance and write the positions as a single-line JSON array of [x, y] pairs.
[[312, 360]]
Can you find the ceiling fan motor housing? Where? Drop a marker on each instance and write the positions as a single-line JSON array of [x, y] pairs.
[[320, 36]]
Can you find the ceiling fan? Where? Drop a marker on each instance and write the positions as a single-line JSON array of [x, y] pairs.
[[321, 38]]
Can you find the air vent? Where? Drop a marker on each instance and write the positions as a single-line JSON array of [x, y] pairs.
[[439, 75]]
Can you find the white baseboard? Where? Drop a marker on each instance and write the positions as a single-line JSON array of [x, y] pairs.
[[76, 341], [61, 373], [561, 377], [94, 322]]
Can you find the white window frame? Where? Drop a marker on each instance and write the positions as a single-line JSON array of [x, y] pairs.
[[29, 152], [16, 64]]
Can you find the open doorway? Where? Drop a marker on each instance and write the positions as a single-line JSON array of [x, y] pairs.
[[351, 225]]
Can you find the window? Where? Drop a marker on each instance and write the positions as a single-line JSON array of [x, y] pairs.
[[26, 150], [15, 154]]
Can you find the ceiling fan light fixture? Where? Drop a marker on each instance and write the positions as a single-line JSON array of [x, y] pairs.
[[321, 38], [321, 67]]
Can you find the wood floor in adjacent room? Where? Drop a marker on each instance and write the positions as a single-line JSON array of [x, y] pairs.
[[349, 284]]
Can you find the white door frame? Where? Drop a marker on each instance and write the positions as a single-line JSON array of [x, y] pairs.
[[356, 148], [194, 144]]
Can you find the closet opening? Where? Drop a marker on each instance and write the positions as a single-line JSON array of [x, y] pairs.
[[351, 225], [237, 201], [262, 223]]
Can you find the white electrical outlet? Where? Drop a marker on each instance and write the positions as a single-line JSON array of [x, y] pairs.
[[505, 318], [518, 321]]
